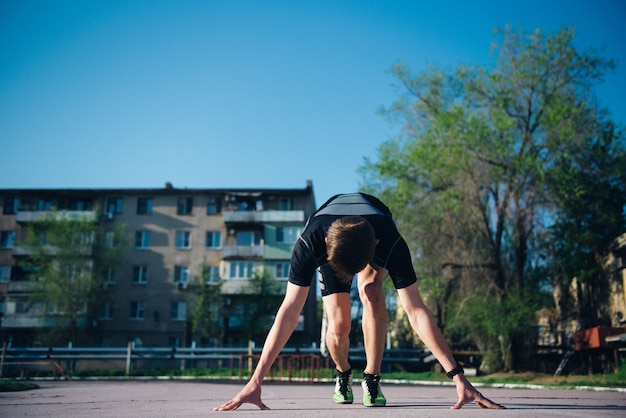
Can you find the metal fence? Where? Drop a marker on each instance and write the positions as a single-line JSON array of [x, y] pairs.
[[63, 361], [292, 364]]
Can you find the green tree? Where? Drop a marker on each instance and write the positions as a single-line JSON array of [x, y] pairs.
[[589, 191], [205, 303], [261, 300], [478, 179], [69, 260]]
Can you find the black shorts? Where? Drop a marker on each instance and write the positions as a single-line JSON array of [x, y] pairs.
[[329, 283]]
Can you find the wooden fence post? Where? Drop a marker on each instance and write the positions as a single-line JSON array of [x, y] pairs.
[[4, 349], [128, 356]]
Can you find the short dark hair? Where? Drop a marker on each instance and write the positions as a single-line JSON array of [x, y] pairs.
[[350, 246]]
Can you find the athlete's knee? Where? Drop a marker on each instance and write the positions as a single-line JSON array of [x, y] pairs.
[[372, 294], [339, 329], [370, 285]]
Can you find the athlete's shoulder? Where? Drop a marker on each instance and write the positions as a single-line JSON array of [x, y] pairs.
[[369, 197], [377, 203], [330, 200], [315, 227]]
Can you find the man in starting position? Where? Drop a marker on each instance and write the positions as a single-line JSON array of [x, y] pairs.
[[354, 234]]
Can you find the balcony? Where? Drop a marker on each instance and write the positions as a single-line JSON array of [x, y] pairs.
[[30, 320], [242, 251], [69, 215], [21, 250], [25, 250], [236, 287], [20, 287], [23, 321], [264, 216]]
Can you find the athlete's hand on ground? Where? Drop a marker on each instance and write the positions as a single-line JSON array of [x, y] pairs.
[[251, 393], [467, 393]]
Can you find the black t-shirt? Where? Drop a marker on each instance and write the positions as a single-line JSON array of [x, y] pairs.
[[392, 252]]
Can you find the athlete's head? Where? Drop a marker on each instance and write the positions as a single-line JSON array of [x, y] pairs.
[[350, 245]]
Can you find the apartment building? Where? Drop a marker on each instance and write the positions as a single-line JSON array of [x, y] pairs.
[[173, 234]]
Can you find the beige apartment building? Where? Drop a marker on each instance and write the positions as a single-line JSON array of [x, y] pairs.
[[173, 233]]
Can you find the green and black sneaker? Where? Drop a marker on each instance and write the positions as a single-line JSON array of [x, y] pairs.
[[372, 395], [343, 387]]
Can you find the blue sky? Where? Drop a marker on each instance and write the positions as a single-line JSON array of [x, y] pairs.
[[215, 94]]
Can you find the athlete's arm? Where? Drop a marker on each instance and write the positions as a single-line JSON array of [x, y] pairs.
[[423, 323], [284, 325]]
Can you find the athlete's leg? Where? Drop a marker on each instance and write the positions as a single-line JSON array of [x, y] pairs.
[[337, 307], [374, 316]]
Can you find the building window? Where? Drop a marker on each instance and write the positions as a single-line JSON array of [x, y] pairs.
[[111, 276], [241, 269], [183, 240], [285, 204], [19, 305], [214, 206], [22, 305], [248, 238], [109, 239], [249, 205], [178, 311], [10, 205], [287, 234], [105, 311], [144, 206], [79, 204], [84, 238], [114, 205], [212, 274], [44, 205], [137, 310], [213, 239], [140, 274], [5, 274], [181, 274], [174, 342], [7, 239], [185, 204], [282, 270], [142, 239], [26, 205]]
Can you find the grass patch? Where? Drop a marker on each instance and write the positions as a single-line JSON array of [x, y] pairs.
[[617, 379], [427, 376], [154, 373], [525, 378], [529, 378], [16, 385]]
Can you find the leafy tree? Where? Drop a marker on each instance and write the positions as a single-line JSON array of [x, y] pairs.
[[261, 300], [588, 188], [205, 302], [480, 180], [69, 260]]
